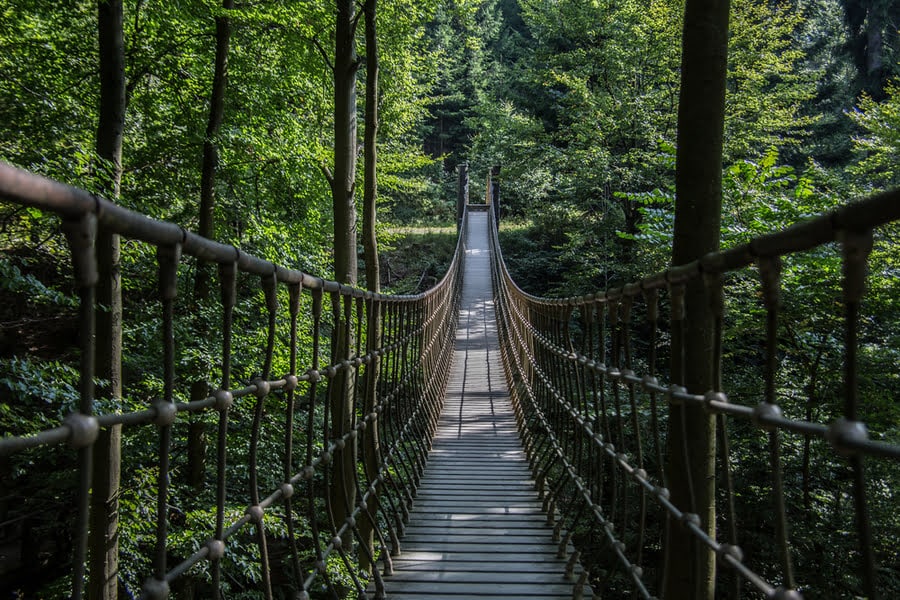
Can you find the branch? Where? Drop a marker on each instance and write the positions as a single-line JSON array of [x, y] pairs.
[[355, 21], [323, 53], [327, 172]]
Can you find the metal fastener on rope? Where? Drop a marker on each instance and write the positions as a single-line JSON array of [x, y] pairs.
[[83, 429], [165, 413], [262, 388], [673, 392], [843, 431], [712, 396], [287, 490], [216, 549], [224, 400], [155, 589], [731, 550], [690, 519], [255, 513], [765, 411]]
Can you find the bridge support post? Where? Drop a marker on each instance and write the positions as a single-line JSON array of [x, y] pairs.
[[462, 194], [495, 192]]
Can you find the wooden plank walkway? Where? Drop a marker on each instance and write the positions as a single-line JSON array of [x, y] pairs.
[[476, 529]]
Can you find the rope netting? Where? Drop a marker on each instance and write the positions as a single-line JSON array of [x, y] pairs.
[[393, 383], [597, 393]]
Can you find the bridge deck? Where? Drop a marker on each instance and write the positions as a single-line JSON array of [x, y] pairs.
[[476, 529]]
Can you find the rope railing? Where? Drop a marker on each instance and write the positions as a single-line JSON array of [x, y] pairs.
[[396, 382], [586, 376]]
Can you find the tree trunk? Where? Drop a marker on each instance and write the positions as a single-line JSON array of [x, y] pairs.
[[103, 540], [373, 271], [690, 565], [206, 227], [370, 191], [343, 184], [210, 148]]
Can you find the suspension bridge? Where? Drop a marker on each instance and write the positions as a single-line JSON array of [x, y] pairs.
[[499, 444]]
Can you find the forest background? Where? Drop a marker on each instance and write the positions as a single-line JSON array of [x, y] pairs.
[[575, 100]]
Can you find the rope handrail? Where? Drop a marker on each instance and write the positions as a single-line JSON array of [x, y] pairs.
[[584, 406], [408, 369]]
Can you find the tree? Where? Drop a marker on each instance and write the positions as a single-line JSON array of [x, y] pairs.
[[689, 572], [108, 452], [873, 27], [370, 151], [210, 146], [878, 146], [343, 188], [373, 273]]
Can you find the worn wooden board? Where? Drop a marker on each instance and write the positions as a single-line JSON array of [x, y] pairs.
[[477, 529]]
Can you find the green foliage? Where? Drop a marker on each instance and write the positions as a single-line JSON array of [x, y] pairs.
[[37, 394], [13, 280], [879, 145]]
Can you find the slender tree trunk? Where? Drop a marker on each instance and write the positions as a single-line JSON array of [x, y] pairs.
[[690, 565], [104, 523], [373, 271], [370, 192], [343, 185], [210, 147], [206, 228]]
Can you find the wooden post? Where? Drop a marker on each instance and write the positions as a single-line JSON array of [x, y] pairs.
[[495, 192], [462, 194]]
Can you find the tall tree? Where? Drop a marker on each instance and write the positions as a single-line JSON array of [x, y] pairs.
[[689, 572], [370, 150], [370, 246], [873, 26], [108, 452], [343, 189], [210, 145]]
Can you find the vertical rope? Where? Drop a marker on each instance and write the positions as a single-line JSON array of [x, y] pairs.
[[652, 298], [635, 424], [770, 273], [715, 290], [167, 257], [81, 236], [224, 401], [856, 249], [287, 489], [314, 377], [262, 385]]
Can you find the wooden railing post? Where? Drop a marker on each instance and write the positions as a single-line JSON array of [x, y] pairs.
[[495, 192], [462, 195]]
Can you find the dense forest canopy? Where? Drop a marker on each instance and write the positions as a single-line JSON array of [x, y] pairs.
[[575, 100]]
